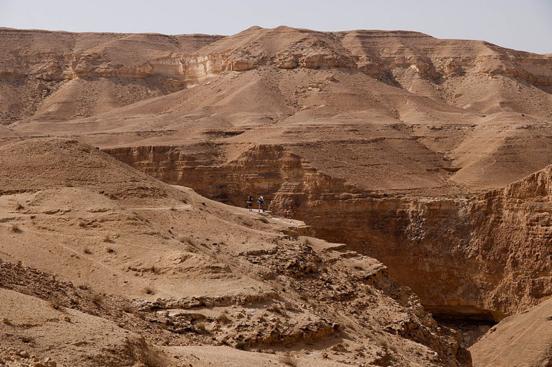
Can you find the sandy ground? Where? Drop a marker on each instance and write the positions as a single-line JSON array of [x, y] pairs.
[[520, 340]]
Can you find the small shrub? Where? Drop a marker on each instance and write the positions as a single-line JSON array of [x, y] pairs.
[[14, 228], [98, 299], [87, 251], [26, 339], [55, 303], [7, 321], [149, 290], [19, 206], [184, 239], [110, 250], [155, 270]]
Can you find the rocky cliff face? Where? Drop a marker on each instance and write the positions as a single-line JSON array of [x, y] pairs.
[[44, 70], [41, 69], [478, 256]]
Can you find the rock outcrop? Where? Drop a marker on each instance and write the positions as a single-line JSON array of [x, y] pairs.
[[480, 256], [42, 68], [44, 71]]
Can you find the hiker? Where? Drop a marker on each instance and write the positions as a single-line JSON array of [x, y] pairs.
[[249, 202], [261, 203]]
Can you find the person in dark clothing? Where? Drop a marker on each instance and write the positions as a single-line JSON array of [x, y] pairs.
[[249, 202]]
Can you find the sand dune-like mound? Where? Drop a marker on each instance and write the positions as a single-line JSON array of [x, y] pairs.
[[54, 163], [521, 340]]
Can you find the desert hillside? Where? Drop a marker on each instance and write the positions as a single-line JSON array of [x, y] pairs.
[[112, 267], [408, 181], [403, 110]]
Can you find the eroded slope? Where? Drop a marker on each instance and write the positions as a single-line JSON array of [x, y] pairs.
[[180, 270], [443, 110], [521, 340]]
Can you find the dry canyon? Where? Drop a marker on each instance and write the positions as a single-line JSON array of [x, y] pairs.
[[408, 182]]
